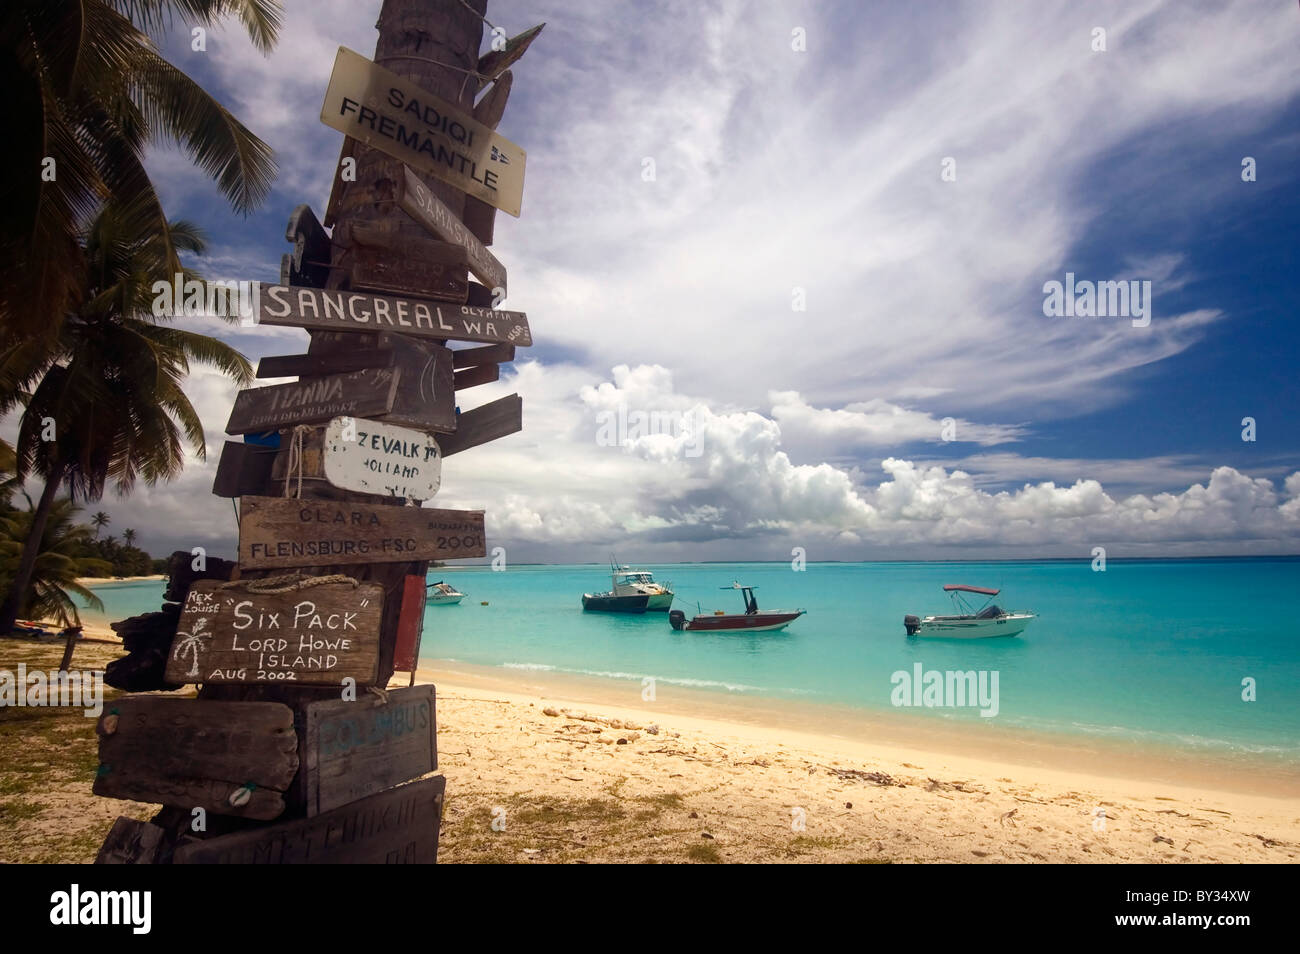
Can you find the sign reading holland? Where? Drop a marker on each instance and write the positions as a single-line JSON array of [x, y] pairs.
[[392, 114]]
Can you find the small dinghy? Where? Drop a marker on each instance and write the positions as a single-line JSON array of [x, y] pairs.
[[969, 622], [750, 621], [444, 594]]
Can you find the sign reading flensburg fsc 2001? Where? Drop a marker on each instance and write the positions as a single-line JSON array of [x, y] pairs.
[[392, 114]]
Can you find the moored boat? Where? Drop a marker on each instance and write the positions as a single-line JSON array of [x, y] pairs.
[[752, 620], [629, 582], [970, 622], [613, 603], [443, 594]]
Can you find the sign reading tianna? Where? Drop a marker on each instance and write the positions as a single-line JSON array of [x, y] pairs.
[[392, 114]]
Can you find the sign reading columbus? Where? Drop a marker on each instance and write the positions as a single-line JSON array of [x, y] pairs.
[[392, 114]]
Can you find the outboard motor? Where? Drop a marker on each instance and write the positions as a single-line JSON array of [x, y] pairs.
[[912, 624], [676, 619]]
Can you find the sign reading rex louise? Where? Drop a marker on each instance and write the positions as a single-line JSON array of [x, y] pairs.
[[392, 114], [288, 532]]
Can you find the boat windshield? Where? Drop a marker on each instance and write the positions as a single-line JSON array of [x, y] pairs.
[[635, 578]]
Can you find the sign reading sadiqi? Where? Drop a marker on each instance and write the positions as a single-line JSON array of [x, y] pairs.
[[374, 458], [268, 631], [392, 114], [321, 309], [286, 532]]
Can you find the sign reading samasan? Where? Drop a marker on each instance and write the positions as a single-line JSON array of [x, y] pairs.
[[327, 310], [374, 458], [287, 532], [392, 114], [254, 631]]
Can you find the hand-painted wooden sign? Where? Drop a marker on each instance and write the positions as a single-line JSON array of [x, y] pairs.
[[426, 399], [430, 269], [392, 114], [286, 532], [230, 758], [399, 826], [354, 749], [359, 394], [315, 634], [330, 310], [375, 458], [337, 362], [486, 423], [419, 202]]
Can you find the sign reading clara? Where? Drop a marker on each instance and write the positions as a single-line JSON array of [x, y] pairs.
[[392, 114]]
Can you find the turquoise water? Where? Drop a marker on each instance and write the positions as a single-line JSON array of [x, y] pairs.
[[1151, 651]]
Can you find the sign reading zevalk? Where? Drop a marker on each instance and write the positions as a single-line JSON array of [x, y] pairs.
[[392, 114], [374, 458]]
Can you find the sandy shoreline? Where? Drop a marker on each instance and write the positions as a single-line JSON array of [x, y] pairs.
[[101, 580]]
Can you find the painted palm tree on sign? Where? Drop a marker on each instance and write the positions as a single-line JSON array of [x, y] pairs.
[[86, 93], [113, 386], [100, 521]]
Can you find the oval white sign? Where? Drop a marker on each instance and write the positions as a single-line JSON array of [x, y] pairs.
[[374, 458]]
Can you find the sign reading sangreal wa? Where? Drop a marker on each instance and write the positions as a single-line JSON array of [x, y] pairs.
[[392, 114]]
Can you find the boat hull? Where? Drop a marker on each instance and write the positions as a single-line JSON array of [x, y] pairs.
[[952, 628], [741, 622], [445, 600], [599, 603], [659, 603]]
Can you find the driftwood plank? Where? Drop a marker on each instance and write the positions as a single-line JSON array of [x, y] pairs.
[[492, 106], [419, 202], [285, 532], [242, 469], [494, 63], [439, 274], [343, 362], [309, 263], [230, 758], [354, 749], [131, 842], [426, 398], [481, 374], [399, 826], [359, 394], [487, 423], [313, 635], [488, 354]]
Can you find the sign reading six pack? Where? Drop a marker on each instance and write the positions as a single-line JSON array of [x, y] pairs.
[[392, 114], [374, 458], [311, 634], [287, 532]]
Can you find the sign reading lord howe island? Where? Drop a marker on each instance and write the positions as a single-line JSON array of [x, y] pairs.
[[247, 632], [320, 309], [392, 114], [374, 458], [288, 532]]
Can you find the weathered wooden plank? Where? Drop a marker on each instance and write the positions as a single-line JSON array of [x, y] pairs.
[[426, 398], [419, 202], [394, 115], [343, 362], [489, 354], [309, 263], [372, 457], [355, 749], [410, 624], [481, 219], [230, 758], [493, 63], [131, 842], [242, 469], [438, 274], [399, 826], [481, 374], [285, 532], [487, 423], [347, 151], [333, 310], [310, 635], [492, 106], [359, 394]]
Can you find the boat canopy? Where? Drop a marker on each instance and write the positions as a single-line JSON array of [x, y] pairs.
[[963, 588]]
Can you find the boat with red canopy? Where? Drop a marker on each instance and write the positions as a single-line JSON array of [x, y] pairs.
[[751, 621], [970, 621]]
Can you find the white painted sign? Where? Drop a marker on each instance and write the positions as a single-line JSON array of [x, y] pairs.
[[374, 458]]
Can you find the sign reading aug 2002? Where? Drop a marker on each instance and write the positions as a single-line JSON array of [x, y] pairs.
[[392, 114]]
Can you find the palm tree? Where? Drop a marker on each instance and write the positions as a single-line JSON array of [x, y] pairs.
[[114, 388], [129, 536], [100, 520], [86, 93], [60, 563]]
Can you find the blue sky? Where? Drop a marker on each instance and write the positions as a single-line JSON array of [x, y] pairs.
[[780, 172]]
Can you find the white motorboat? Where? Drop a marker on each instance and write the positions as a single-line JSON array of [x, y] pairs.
[[444, 594], [970, 622], [629, 582]]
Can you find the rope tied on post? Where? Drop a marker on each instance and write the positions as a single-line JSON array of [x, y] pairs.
[[296, 439], [287, 583]]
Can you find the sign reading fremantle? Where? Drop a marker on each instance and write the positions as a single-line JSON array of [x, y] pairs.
[[392, 114], [374, 458], [320, 309]]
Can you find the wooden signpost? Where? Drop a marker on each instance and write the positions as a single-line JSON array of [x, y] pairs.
[[248, 632], [419, 202], [361, 393], [354, 749], [392, 114], [485, 423], [328, 310], [426, 398], [375, 458], [230, 758], [398, 826], [284, 532]]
